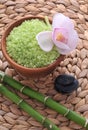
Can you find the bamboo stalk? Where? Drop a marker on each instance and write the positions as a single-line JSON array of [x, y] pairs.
[[27, 108], [46, 100]]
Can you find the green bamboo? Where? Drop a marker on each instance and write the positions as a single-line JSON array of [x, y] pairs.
[[27, 108], [49, 102]]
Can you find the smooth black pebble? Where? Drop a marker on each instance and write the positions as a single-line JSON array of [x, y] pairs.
[[65, 79], [66, 86]]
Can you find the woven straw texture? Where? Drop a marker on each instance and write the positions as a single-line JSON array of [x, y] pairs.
[[76, 63]]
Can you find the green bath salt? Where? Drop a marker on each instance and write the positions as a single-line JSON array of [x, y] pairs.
[[23, 47]]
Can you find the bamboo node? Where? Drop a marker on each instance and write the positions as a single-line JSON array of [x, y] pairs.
[[2, 76], [86, 123], [21, 90], [45, 99], [20, 101], [0, 85], [50, 126], [43, 120], [67, 112]]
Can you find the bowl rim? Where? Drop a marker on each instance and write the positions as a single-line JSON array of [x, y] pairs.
[[3, 44]]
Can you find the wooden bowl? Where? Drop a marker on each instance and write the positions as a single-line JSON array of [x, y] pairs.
[[27, 72]]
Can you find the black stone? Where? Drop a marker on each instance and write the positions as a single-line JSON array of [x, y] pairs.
[[65, 79], [69, 87]]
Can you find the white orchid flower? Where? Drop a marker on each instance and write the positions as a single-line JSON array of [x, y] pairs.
[[63, 35]]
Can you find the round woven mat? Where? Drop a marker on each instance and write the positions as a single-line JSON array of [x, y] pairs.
[[76, 63]]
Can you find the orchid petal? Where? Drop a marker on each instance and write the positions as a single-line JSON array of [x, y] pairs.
[[62, 31], [73, 40], [72, 43], [45, 40], [59, 20], [63, 51], [60, 44]]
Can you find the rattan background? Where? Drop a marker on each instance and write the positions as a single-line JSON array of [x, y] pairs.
[[76, 63]]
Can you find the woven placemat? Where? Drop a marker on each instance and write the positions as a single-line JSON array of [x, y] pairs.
[[76, 63]]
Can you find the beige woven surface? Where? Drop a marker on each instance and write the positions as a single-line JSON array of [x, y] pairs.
[[76, 63]]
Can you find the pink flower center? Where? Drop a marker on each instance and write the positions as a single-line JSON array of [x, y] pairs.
[[61, 38]]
